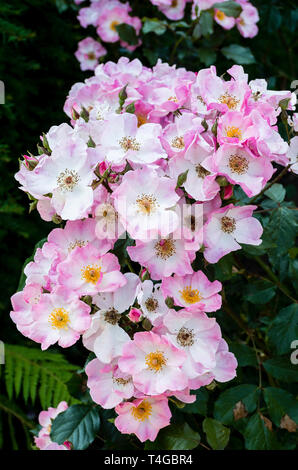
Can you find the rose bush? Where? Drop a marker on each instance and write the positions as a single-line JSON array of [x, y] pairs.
[[142, 182]]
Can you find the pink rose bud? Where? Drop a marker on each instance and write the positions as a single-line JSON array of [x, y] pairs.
[[134, 315], [228, 192]]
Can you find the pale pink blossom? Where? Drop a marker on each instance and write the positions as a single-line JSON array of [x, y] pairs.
[[88, 272], [143, 417], [193, 291], [163, 257], [227, 227], [59, 317], [88, 53], [108, 386], [144, 201], [240, 166], [154, 364]]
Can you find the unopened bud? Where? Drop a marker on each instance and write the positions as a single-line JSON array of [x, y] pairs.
[[57, 219]]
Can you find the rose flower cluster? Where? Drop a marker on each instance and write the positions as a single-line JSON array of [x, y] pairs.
[[150, 159], [106, 15]]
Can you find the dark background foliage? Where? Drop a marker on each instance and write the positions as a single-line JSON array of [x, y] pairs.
[[37, 43]]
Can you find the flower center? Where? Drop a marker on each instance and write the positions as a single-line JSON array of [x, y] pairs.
[[155, 361], [146, 204], [238, 164], [151, 304], [91, 56], [59, 318], [129, 143], [113, 25], [174, 3], [142, 119], [199, 98], [190, 296], [91, 273], [121, 381], [230, 100], [173, 98], [220, 15], [201, 171], [112, 316], [76, 243], [178, 143], [234, 132], [165, 248], [143, 411], [185, 337], [67, 180], [106, 211], [228, 224]]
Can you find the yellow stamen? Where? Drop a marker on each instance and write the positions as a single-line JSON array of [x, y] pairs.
[[113, 25], [178, 142], [142, 411], [59, 318], [146, 204], [220, 15], [234, 132], [91, 273], [190, 296], [230, 100], [155, 361]]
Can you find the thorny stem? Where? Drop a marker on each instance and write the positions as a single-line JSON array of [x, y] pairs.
[[275, 180], [259, 368]]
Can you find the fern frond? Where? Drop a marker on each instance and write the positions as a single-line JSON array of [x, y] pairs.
[[33, 372]]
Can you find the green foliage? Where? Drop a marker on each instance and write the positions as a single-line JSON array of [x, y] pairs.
[[78, 425], [229, 8], [217, 435], [258, 436], [175, 437], [30, 372], [238, 54]]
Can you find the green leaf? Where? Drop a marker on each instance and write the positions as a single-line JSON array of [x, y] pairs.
[[229, 8], [258, 436], [181, 179], [244, 354], [175, 437], [154, 25], [127, 33], [223, 269], [207, 56], [284, 329], [259, 292], [282, 369], [206, 23], [277, 192], [78, 425], [239, 54], [200, 405], [224, 406], [217, 434], [280, 403]]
